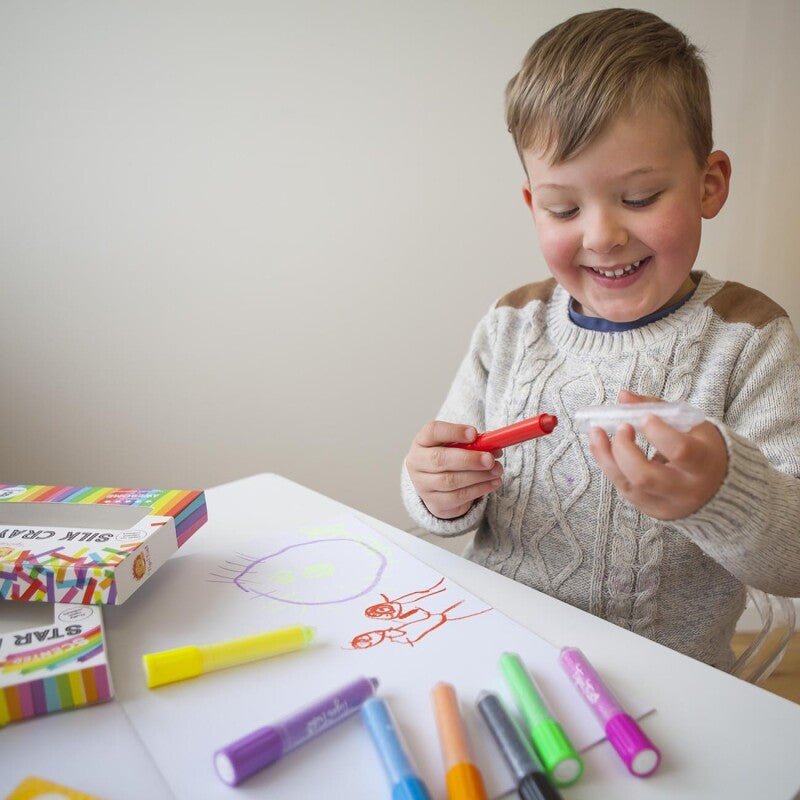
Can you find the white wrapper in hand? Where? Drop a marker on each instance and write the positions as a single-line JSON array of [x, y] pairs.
[[681, 416]]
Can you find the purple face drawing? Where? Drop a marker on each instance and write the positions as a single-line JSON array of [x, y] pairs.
[[318, 572]]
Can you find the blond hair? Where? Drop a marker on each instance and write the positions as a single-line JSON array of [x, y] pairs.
[[585, 72]]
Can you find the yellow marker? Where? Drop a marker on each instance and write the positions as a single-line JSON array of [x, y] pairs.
[[181, 663]]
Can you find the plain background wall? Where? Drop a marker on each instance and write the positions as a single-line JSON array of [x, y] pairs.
[[249, 236]]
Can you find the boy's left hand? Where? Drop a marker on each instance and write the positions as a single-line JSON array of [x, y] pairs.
[[681, 477]]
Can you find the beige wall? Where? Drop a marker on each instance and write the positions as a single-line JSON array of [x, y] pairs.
[[248, 236]]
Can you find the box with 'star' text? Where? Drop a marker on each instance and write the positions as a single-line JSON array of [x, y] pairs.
[[54, 667]]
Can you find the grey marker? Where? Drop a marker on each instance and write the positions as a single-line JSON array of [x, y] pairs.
[[532, 783]]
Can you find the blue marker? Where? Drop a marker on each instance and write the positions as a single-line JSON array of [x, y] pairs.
[[405, 783]]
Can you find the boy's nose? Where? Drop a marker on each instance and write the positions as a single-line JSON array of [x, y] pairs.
[[603, 233]]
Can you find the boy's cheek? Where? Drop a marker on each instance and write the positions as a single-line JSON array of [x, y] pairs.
[[557, 247], [674, 232]]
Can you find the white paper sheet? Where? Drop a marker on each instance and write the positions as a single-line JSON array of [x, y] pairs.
[[376, 611]]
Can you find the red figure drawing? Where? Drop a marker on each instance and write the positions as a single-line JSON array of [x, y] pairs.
[[414, 621]]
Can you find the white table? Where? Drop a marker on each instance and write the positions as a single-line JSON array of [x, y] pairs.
[[720, 737]]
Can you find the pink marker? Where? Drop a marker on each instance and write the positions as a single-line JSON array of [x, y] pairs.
[[640, 755]]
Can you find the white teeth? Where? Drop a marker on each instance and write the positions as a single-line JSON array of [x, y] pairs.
[[619, 272]]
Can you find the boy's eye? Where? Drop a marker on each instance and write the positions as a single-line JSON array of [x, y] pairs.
[[571, 212], [563, 214], [642, 203]]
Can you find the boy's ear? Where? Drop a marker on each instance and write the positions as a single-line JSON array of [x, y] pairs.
[[716, 184], [526, 195]]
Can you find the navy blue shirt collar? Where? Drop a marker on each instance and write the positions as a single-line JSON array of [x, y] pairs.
[[606, 326]]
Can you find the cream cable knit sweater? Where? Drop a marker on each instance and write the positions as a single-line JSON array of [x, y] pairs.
[[558, 525]]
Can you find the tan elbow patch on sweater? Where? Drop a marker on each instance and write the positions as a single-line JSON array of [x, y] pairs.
[[735, 302], [519, 298]]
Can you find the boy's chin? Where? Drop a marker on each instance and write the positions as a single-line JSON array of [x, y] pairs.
[[625, 318]]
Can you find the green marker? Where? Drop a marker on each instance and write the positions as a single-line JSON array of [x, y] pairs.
[[559, 758]]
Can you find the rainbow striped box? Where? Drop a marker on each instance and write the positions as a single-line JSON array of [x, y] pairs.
[[54, 667], [89, 545]]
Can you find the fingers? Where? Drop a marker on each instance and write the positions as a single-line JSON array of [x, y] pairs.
[[640, 474], [626, 466], [437, 432], [698, 463], [453, 504], [631, 397], [672, 445], [448, 459], [452, 481], [436, 457], [600, 448], [683, 450]]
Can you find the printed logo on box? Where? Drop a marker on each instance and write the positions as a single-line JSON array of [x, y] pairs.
[[12, 491], [75, 614], [142, 565]]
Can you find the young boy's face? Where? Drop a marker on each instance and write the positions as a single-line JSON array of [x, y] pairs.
[[619, 224]]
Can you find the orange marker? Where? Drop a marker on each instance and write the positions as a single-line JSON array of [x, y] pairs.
[[463, 779]]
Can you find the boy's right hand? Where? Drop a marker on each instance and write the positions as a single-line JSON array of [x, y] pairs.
[[449, 479]]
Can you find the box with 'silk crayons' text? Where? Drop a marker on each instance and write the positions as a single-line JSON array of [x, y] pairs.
[[89, 545]]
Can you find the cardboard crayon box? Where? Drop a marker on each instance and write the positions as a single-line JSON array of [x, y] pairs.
[[89, 545], [54, 667]]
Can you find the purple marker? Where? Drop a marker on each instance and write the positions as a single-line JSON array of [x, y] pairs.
[[640, 755], [264, 746]]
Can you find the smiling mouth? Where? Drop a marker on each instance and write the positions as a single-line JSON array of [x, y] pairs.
[[619, 271]]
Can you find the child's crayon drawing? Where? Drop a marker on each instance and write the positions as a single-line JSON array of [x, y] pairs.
[[415, 621], [314, 573]]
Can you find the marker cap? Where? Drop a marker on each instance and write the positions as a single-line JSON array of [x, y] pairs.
[[248, 755], [548, 422], [537, 787], [410, 788], [559, 758], [172, 665], [464, 782], [640, 755]]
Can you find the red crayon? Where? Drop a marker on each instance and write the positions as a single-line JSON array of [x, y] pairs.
[[512, 434]]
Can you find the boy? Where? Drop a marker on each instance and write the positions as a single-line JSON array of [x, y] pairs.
[[611, 117]]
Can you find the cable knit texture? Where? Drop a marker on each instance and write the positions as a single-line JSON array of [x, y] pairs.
[[558, 525]]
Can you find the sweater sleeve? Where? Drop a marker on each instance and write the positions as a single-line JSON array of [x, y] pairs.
[[752, 525], [466, 404]]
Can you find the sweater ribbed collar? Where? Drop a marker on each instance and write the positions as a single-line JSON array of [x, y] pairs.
[[566, 335]]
